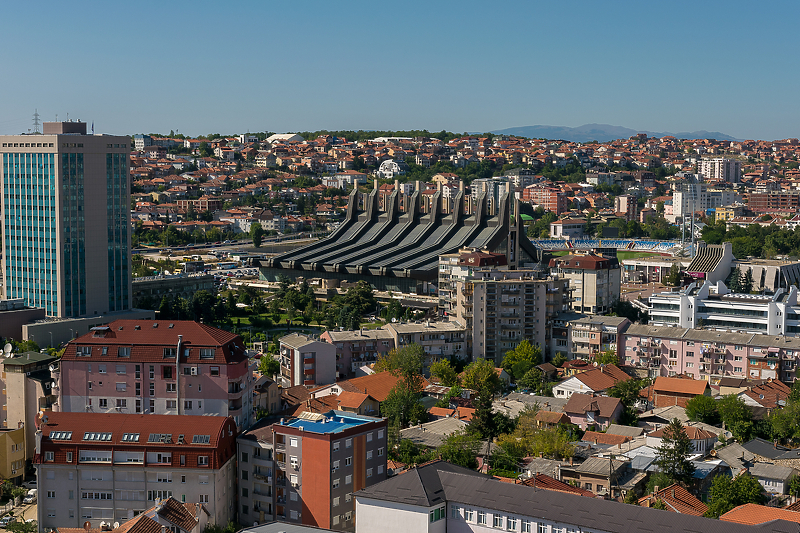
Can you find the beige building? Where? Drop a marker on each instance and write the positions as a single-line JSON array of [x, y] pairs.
[[12, 452], [29, 388], [498, 307], [440, 340], [76, 260], [595, 281], [596, 334]]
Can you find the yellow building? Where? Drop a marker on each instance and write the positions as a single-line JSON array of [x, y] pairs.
[[12, 452], [728, 212]]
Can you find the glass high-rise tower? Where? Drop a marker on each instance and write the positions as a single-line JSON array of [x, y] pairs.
[[66, 220]]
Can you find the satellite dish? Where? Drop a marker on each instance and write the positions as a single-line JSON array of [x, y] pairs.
[[394, 320], [52, 368], [44, 420], [116, 525], [7, 348], [594, 364]]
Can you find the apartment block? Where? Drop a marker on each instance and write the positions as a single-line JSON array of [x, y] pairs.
[[550, 198], [66, 223], [106, 467], [439, 340], [305, 471], [720, 169], [157, 367], [596, 334], [709, 355], [694, 197], [306, 361], [594, 280], [358, 348]]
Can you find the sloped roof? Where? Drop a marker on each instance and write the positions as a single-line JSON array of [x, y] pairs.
[[377, 385], [692, 432], [627, 431], [550, 417], [584, 403], [668, 385], [352, 400], [543, 481], [604, 438], [676, 499], [754, 514], [767, 470], [602, 378], [432, 434]]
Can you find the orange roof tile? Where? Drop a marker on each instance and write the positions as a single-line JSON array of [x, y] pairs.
[[676, 499], [754, 514], [680, 385], [604, 438]]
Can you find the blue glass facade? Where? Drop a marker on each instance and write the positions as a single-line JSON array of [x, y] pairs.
[[117, 216], [73, 223], [29, 209]]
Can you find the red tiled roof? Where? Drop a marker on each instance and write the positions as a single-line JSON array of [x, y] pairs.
[[600, 379], [542, 481], [754, 514], [551, 417], [583, 403], [376, 385], [147, 343], [352, 399], [604, 438], [665, 384], [694, 433], [441, 411]]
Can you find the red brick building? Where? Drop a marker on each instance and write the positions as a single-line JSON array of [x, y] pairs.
[[678, 391], [550, 198]]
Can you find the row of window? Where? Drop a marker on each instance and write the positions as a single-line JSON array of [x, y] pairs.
[[103, 456], [125, 351], [499, 521]]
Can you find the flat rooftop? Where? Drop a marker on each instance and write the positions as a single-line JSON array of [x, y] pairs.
[[331, 422]]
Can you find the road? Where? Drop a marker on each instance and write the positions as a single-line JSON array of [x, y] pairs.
[[634, 291]]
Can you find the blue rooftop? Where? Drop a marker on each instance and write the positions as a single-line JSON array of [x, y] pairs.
[[330, 422]]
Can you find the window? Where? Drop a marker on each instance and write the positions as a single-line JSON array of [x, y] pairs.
[[170, 353], [215, 371], [206, 353], [335, 466], [103, 403], [380, 452], [336, 483], [204, 498], [245, 473], [369, 472], [51, 513], [69, 457], [122, 387], [293, 442], [51, 494], [187, 404], [336, 520], [244, 455], [293, 496], [455, 511], [164, 477], [171, 404], [542, 528], [348, 461], [101, 369], [348, 497], [152, 372], [166, 372], [348, 479], [380, 433], [525, 526], [336, 445], [122, 403], [336, 502], [121, 369], [348, 443], [438, 514], [153, 388], [380, 469], [482, 518], [171, 387], [49, 456], [469, 515], [369, 454], [369, 437], [244, 492], [202, 460]]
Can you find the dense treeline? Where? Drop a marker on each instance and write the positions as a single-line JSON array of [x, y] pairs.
[[755, 240]]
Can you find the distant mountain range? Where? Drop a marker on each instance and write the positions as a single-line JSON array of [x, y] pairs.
[[602, 133]]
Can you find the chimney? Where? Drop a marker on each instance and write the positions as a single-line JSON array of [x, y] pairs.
[[655, 490], [570, 461], [673, 493]]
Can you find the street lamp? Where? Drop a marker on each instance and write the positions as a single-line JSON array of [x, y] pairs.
[[51, 338]]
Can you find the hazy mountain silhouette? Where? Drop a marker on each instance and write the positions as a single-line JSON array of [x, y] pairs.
[[602, 133]]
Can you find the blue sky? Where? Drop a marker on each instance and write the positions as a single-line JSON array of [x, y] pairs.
[[229, 67]]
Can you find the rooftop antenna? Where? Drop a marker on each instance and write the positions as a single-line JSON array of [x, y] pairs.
[[67, 117], [35, 121], [56, 117]]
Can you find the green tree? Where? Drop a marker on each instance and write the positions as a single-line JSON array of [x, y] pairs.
[[559, 359], [481, 374], [402, 406], [672, 455], [631, 498], [703, 408], [460, 448], [256, 233], [628, 391], [535, 381], [405, 362], [674, 276], [608, 357], [794, 486], [444, 371], [21, 526], [747, 281], [736, 416], [727, 493], [483, 423], [521, 359], [735, 283], [269, 366], [658, 479]]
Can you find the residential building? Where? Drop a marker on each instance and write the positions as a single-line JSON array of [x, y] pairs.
[[753, 514], [592, 335], [676, 499], [710, 355], [165, 515], [493, 188], [774, 478], [266, 395], [691, 197], [106, 467], [306, 361], [653, 269], [597, 474], [304, 471], [568, 228], [75, 258], [439, 497], [595, 381], [28, 388], [439, 340], [356, 349], [594, 280], [157, 367], [549, 198], [590, 412], [773, 201], [626, 204], [702, 441], [720, 169], [678, 391], [12, 453], [140, 142], [499, 308]]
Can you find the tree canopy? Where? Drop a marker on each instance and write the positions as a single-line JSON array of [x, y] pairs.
[[481, 374], [521, 359], [672, 455], [727, 493], [703, 408]]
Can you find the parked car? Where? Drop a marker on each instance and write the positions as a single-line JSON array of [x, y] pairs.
[[30, 484], [7, 519], [30, 497]]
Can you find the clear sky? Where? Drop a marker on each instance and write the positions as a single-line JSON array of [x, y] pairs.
[[229, 67]]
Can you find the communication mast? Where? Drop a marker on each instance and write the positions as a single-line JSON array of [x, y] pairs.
[[36, 121]]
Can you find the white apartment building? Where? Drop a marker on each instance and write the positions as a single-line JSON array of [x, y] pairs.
[[715, 307], [721, 169], [689, 197]]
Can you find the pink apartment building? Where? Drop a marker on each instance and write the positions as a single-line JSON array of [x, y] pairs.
[[708, 354], [157, 367]]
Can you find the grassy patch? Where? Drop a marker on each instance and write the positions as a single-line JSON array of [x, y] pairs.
[[624, 254]]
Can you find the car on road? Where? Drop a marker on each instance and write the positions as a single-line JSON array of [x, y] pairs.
[[30, 484], [7, 519]]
